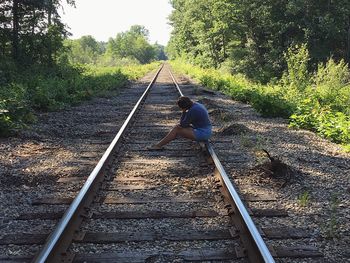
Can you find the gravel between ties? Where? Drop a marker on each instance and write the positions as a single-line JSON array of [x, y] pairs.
[[317, 197], [31, 163]]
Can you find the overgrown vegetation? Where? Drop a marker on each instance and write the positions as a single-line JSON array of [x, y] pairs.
[[318, 101], [42, 70], [57, 89], [251, 36], [292, 55]]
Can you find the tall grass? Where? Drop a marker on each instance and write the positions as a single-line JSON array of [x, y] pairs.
[[48, 90], [318, 101]]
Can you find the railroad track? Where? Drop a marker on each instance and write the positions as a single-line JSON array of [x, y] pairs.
[[176, 205]]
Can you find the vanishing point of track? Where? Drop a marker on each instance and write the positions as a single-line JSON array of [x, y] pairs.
[[176, 205], [127, 152]]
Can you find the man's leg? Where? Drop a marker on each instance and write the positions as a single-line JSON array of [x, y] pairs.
[[177, 131]]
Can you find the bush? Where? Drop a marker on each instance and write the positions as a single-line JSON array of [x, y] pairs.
[[331, 86], [14, 109], [320, 103], [271, 105], [266, 100], [331, 125], [297, 75], [56, 88], [327, 109]]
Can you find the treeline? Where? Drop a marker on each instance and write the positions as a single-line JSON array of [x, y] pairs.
[[40, 69], [127, 47], [252, 36], [292, 57], [31, 31], [315, 100]]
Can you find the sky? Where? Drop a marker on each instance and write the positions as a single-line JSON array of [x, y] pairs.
[[105, 18]]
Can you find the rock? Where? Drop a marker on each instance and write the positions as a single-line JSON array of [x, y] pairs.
[[233, 129]]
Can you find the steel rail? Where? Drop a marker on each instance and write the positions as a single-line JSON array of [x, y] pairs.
[[252, 230], [49, 252], [176, 85], [264, 255]]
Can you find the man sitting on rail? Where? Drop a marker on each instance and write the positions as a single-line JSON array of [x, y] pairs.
[[194, 124]]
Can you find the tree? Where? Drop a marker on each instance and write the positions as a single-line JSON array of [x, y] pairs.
[[202, 30], [132, 44], [159, 52], [33, 29], [85, 50], [253, 35]]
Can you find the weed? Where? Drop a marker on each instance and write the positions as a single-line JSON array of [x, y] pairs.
[[346, 148], [246, 141], [331, 226], [304, 198]]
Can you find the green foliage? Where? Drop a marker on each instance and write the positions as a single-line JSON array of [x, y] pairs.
[[31, 32], [202, 30], [304, 198], [132, 44], [297, 75], [330, 79], [159, 52], [326, 108], [315, 105], [127, 48], [85, 50], [14, 108], [332, 125], [252, 36], [265, 99], [271, 104], [347, 148], [67, 85], [136, 71], [305, 115], [41, 70]]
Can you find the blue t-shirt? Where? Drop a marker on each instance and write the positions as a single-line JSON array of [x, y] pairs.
[[196, 116]]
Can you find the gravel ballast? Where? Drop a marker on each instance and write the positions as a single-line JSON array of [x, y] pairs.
[[70, 142]]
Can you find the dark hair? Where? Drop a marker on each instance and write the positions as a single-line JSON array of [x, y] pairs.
[[184, 102]]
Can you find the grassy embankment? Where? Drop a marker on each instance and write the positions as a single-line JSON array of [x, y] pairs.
[[318, 101], [24, 92]]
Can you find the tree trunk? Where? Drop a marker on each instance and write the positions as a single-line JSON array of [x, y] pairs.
[[348, 44], [49, 22], [15, 31], [49, 13], [224, 46], [31, 41]]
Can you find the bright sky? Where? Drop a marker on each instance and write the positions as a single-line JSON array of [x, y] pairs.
[[105, 18]]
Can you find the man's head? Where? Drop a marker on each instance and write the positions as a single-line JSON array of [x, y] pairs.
[[184, 103]]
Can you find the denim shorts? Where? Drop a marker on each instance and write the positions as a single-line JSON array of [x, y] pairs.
[[202, 134]]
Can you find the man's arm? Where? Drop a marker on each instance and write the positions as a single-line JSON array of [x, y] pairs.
[[185, 120]]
